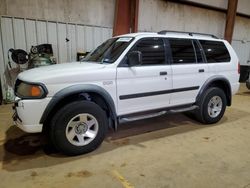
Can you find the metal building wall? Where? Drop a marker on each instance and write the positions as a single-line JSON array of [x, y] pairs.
[[242, 48], [94, 12], [241, 40], [164, 15], [243, 5], [23, 33]]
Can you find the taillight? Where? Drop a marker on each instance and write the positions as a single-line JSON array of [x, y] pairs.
[[238, 68]]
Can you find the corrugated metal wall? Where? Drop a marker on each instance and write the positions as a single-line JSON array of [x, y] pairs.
[[165, 15], [242, 48], [23, 33], [241, 39]]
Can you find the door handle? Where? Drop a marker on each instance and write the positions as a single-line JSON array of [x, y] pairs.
[[163, 73], [201, 70]]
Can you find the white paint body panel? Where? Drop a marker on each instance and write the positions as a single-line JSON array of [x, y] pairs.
[[132, 80], [187, 75], [60, 76], [127, 81], [30, 112]]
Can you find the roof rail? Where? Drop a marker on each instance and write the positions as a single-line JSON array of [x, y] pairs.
[[163, 32]]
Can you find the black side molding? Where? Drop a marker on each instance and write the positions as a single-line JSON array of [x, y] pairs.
[[138, 95]]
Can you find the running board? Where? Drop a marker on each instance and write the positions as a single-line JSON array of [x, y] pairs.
[[146, 116], [183, 109], [152, 115]]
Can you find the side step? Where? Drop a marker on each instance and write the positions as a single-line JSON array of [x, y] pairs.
[[156, 114], [140, 117], [183, 109]]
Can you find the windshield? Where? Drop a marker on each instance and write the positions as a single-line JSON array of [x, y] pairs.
[[109, 51]]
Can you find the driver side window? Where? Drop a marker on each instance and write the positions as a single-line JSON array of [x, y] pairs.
[[152, 51]]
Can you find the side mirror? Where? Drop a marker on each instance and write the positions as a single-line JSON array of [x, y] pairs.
[[134, 58]]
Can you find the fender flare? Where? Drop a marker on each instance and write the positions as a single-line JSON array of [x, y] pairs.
[[214, 79], [81, 88]]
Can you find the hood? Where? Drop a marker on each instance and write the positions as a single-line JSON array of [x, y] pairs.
[[60, 72]]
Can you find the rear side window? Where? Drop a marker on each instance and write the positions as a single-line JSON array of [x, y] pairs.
[[182, 51], [152, 49], [215, 51]]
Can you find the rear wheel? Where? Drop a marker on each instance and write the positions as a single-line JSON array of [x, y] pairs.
[[248, 84], [78, 127], [1, 94], [211, 106]]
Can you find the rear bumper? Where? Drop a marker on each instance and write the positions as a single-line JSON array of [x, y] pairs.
[[235, 88], [27, 114]]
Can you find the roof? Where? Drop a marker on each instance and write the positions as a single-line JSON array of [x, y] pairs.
[[172, 34]]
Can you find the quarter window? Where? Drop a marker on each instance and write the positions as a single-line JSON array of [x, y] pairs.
[[215, 51], [152, 49], [182, 51]]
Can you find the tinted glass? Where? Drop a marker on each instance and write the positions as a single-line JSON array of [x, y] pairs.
[[109, 51], [198, 53], [182, 51], [215, 51], [152, 49]]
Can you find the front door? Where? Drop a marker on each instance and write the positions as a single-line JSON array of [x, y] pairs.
[[146, 86]]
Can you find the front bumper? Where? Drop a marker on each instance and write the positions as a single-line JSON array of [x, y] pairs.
[[27, 114]]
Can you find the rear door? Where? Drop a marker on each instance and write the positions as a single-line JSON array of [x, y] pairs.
[[189, 70], [218, 58]]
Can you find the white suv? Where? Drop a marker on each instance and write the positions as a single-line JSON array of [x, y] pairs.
[[127, 78]]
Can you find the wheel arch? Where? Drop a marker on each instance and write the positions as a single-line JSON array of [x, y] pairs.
[[68, 94], [220, 82]]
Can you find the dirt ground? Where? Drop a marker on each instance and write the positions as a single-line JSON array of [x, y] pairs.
[[170, 151]]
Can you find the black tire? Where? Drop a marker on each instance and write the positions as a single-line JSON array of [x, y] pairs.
[[202, 114], [63, 117], [248, 84], [1, 93]]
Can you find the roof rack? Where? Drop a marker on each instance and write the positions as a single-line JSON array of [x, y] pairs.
[[163, 32]]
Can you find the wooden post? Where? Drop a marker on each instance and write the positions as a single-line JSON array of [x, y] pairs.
[[126, 17], [230, 20], [134, 15]]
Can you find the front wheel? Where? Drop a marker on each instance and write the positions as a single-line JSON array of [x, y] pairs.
[[211, 106], [78, 127]]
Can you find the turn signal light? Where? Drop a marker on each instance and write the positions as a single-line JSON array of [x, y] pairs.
[[29, 91], [35, 91]]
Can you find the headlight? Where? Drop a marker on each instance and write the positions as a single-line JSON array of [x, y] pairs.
[[29, 90]]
